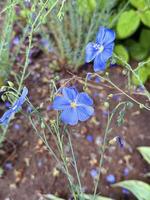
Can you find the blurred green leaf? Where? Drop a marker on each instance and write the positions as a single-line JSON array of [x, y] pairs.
[[86, 6], [145, 18], [140, 189], [143, 76], [137, 51], [127, 24], [145, 152], [139, 4], [1, 171], [122, 52], [90, 197], [144, 38], [85, 196]]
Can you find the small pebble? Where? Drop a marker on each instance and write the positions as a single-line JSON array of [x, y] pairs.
[[111, 179]]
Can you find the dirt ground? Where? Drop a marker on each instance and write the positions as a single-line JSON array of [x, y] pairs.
[[30, 171]]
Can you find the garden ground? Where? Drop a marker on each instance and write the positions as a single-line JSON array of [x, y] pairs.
[[30, 171]]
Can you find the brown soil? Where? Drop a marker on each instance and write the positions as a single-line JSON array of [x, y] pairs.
[[33, 169]]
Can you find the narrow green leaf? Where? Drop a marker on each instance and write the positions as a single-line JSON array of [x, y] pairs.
[[145, 151], [140, 189]]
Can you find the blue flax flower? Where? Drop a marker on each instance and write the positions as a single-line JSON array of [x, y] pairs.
[[101, 50], [74, 106], [15, 108]]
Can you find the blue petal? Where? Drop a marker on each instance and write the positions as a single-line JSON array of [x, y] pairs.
[[109, 36], [100, 35], [107, 53], [17, 105], [60, 103], [105, 36], [69, 116], [83, 98], [99, 64], [84, 112], [91, 52], [69, 93], [6, 117]]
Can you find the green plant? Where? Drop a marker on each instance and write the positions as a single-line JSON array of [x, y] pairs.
[[82, 20], [140, 189]]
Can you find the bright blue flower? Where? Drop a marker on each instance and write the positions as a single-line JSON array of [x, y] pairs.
[[15, 108], [74, 106], [101, 50]]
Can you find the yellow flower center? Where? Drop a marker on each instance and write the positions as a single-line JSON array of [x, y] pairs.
[[73, 105], [101, 48]]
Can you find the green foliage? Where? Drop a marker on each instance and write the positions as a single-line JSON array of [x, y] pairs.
[[144, 38], [122, 52], [145, 18], [137, 51], [140, 189], [145, 152], [143, 72], [82, 20], [84, 197], [86, 6], [127, 24], [139, 4], [5, 38]]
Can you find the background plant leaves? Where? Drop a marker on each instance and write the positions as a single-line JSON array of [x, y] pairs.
[[140, 189]]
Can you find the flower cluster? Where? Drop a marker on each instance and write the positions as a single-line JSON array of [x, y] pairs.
[[78, 106], [14, 109], [75, 106]]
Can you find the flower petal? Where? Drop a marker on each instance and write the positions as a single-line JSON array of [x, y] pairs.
[[69, 93], [60, 103], [91, 52], [69, 116], [84, 98], [107, 52], [109, 36], [99, 64], [6, 116], [17, 105], [84, 112], [105, 36], [100, 35]]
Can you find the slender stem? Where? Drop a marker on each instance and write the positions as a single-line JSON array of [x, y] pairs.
[[74, 160], [104, 145]]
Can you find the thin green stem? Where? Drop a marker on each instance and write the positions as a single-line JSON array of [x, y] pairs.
[[74, 161], [102, 150]]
